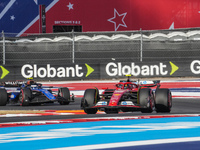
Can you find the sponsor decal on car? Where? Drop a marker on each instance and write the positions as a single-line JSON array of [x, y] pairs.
[[102, 103], [127, 103]]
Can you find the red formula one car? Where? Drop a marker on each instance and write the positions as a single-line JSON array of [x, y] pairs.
[[128, 96]]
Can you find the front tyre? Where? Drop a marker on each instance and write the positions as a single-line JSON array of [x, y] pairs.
[[65, 93], [163, 100], [3, 97], [89, 100]]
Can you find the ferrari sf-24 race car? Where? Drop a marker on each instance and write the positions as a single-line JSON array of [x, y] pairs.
[[128, 97], [30, 92]]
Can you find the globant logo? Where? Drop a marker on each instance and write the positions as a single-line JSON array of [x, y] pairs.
[[29, 71], [117, 69], [195, 66]]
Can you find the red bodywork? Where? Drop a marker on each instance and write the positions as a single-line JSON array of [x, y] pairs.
[[123, 89], [122, 15]]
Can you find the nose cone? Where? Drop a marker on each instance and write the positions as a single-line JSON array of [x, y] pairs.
[[113, 103]]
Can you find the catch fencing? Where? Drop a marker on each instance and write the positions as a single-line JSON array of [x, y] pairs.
[[101, 48]]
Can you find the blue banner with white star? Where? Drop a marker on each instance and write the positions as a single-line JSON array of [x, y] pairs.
[[11, 12]]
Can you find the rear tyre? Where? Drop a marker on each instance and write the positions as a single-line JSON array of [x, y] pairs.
[[65, 93], [163, 100], [89, 100], [146, 98], [3, 97], [25, 96]]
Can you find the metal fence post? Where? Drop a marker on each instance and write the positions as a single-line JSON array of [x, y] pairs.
[[4, 48], [73, 42], [141, 44]]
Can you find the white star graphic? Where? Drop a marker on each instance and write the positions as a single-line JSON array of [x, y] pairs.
[[36, 2], [118, 19], [172, 26], [12, 17], [70, 6]]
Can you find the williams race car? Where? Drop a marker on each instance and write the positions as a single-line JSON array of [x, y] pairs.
[[128, 96], [30, 92]]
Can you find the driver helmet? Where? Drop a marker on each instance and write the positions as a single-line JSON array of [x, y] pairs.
[[30, 82]]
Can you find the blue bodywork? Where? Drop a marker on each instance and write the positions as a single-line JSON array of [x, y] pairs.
[[40, 94]]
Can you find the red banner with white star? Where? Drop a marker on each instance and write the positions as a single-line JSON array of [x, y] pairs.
[[119, 15]]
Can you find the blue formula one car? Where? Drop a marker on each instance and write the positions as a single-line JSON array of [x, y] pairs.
[[30, 92]]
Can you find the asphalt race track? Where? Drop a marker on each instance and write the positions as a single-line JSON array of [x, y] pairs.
[[180, 106], [176, 130], [59, 127]]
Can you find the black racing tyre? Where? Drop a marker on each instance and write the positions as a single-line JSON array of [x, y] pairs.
[[163, 100], [146, 98], [65, 93], [89, 100], [25, 96], [3, 97]]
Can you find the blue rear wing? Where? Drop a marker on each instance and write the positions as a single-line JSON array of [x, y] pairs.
[[12, 83]]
